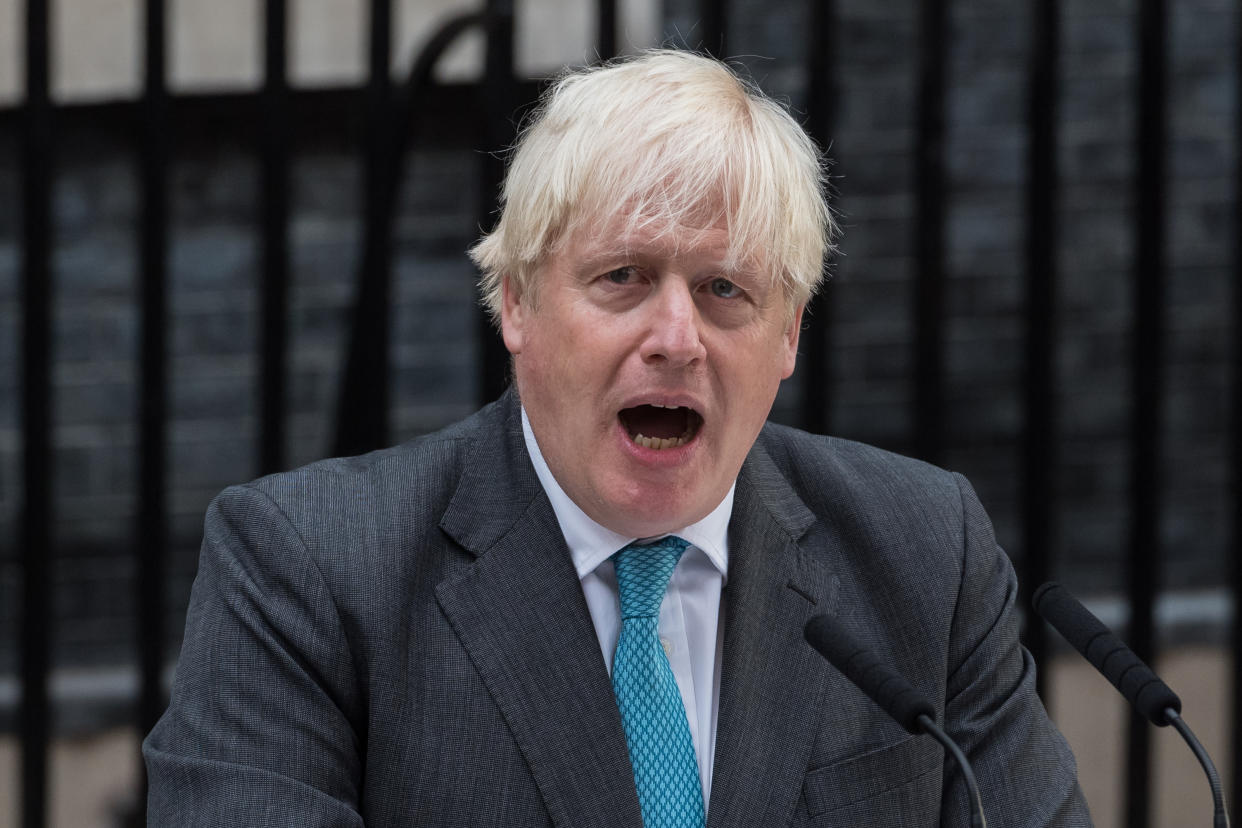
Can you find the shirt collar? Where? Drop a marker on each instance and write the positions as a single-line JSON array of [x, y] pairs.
[[590, 544]]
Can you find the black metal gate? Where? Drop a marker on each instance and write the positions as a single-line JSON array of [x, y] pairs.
[[392, 123]]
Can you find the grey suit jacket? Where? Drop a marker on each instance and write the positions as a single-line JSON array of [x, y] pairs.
[[400, 639]]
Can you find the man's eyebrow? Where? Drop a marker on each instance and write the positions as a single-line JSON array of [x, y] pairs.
[[596, 264], [604, 256]]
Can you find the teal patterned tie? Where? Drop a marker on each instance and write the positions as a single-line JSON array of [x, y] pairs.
[[661, 750]]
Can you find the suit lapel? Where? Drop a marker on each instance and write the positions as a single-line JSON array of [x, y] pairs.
[[773, 684], [520, 614]]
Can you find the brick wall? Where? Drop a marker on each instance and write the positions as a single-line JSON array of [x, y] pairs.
[[214, 259], [875, 55]]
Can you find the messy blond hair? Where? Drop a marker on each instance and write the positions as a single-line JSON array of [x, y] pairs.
[[659, 139]]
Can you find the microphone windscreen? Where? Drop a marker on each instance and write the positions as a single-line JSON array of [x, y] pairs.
[[1107, 653], [881, 683]]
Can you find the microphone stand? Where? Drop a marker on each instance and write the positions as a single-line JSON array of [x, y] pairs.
[[1220, 817], [976, 803]]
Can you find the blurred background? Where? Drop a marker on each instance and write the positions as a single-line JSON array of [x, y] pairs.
[[231, 242]]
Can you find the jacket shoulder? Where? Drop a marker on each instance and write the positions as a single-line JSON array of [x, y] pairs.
[[888, 509], [835, 471], [358, 516], [413, 478]]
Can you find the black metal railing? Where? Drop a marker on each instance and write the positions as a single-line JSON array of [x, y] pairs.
[[152, 525], [392, 126], [1235, 569], [821, 99], [274, 169], [1039, 441], [1147, 389], [929, 282], [37, 133]]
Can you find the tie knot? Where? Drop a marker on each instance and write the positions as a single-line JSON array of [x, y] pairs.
[[643, 571]]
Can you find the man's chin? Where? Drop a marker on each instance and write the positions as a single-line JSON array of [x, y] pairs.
[[652, 515]]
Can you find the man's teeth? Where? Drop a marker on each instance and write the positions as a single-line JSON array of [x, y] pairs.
[[663, 442], [659, 442]]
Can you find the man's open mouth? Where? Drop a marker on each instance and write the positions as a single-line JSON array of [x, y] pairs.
[[660, 427]]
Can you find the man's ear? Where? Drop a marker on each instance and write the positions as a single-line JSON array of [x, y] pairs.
[[791, 343], [514, 316]]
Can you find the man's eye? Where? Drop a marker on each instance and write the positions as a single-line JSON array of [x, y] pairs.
[[725, 289], [620, 276]]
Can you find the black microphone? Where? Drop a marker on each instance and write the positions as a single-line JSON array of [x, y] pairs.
[[890, 690], [1106, 652], [1150, 696]]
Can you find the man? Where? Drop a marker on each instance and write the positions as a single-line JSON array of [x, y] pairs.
[[584, 605]]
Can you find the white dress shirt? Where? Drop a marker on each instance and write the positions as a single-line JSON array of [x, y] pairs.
[[691, 625]]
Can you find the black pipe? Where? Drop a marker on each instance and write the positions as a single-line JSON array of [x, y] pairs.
[[153, 388], [328, 119], [1235, 786], [411, 96], [362, 407], [365, 349], [929, 244], [1039, 445], [154, 370], [713, 16], [606, 29], [274, 171], [36, 176], [496, 131], [1146, 385], [816, 341]]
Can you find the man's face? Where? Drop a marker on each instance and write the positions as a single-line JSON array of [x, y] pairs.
[[647, 334]]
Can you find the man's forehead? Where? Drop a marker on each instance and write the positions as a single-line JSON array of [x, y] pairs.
[[634, 234]]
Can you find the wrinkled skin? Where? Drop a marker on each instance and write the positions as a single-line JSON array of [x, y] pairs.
[[616, 321]]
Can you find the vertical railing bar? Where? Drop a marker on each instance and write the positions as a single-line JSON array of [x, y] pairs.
[[929, 247], [1235, 787], [1039, 446], [275, 195], [362, 406], [715, 21], [496, 130], [152, 523], [379, 214], [1146, 381], [821, 109], [36, 172], [606, 29], [393, 128]]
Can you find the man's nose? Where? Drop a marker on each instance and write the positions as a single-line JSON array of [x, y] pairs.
[[673, 328]]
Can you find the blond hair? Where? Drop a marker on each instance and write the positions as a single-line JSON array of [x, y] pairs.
[[663, 138]]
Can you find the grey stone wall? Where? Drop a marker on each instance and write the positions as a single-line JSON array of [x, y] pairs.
[[214, 262]]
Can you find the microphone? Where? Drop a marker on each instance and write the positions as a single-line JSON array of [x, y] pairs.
[[890, 690], [1150, 696], [1142, 688]]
